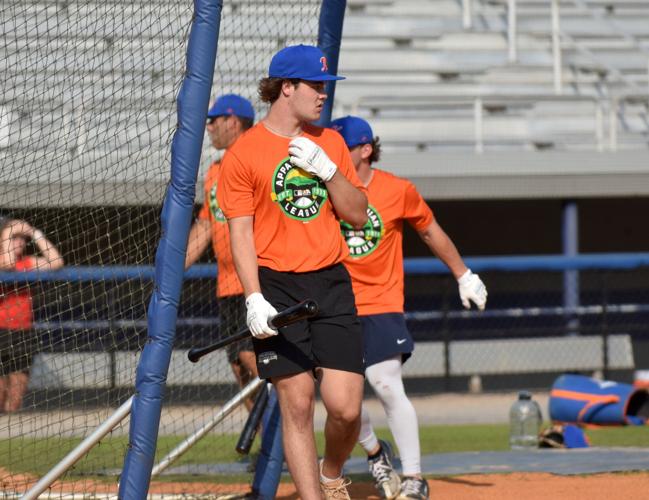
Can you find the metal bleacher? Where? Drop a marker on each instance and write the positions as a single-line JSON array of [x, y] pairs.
[[417, 60], [89, 90], [433, 76], [467, 81]]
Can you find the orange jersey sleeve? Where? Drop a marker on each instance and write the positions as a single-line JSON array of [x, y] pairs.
[[375, 260], [295, 226], [415, 209], [227, 280]]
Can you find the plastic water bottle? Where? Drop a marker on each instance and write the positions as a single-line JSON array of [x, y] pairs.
[[524, 423]]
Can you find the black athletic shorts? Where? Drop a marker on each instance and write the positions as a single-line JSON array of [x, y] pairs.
[[232, 310], [17, 349], [332, 339]]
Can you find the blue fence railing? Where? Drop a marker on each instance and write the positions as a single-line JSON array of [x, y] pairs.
[[423, 265]]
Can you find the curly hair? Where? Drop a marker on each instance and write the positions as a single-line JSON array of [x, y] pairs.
[[270, 88], [376, 150]]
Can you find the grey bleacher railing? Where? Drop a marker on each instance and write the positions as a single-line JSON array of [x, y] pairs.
[[479, 102]]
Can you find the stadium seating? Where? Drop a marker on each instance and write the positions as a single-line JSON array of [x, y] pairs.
[[404, 59], [401, 51]]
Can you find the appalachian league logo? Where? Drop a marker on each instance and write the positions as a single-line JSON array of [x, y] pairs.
[[364, 241], [299, 194]]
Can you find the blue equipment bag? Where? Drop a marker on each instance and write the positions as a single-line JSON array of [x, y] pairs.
[[584, 400]]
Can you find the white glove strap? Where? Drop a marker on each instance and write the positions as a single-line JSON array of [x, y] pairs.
[[254, 298], [325, 167], [465, 278]]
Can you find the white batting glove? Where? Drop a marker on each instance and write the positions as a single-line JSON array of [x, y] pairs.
[[259, 313], [307, 155], [472, 289]]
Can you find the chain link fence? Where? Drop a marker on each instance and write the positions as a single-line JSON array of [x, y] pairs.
[[530, 332], [535, 327]]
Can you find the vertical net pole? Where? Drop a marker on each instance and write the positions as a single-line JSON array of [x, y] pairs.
[[330, 33], [193, 101]]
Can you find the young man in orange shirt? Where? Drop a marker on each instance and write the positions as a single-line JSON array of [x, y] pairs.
[[229, 117], [376, 266], [283, 185]]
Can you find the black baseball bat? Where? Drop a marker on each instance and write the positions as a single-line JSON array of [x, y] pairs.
[[303, 310], [249, 431]]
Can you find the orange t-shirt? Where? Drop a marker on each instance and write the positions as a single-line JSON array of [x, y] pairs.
[[295, 225], [16, 302], [375, 260], [227, 280]]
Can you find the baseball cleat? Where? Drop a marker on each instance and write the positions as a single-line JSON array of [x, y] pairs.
[[386, 480]]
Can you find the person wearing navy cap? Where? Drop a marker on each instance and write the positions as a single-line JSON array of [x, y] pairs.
[[228, 118], [375, 263], [284, 184]]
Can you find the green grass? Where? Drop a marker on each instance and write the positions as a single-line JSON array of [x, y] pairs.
[[495, 437], [37, 456], [619, 436]]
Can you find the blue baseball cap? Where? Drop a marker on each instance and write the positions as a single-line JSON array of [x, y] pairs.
[[354, 130], [302, 62], [232, 105]]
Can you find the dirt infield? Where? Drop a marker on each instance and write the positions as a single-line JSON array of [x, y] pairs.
[[515, 486], [519, 486]]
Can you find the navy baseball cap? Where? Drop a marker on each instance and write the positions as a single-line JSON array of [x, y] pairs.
[[232, 105], [354, 130], [301, 62]]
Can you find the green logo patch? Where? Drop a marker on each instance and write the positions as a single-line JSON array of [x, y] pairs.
[[364, 241], [299, 194]]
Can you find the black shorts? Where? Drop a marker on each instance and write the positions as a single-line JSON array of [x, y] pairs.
[[232, 310], [332, 339], [17, 349]]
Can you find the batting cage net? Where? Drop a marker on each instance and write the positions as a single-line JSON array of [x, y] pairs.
[[87, 116]]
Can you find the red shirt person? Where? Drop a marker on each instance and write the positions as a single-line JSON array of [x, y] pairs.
[[18, 343]]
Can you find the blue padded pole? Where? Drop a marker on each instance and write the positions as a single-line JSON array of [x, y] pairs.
[[151, 375], [330, 34]]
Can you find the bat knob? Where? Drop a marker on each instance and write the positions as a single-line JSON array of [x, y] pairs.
[[311, 308]]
